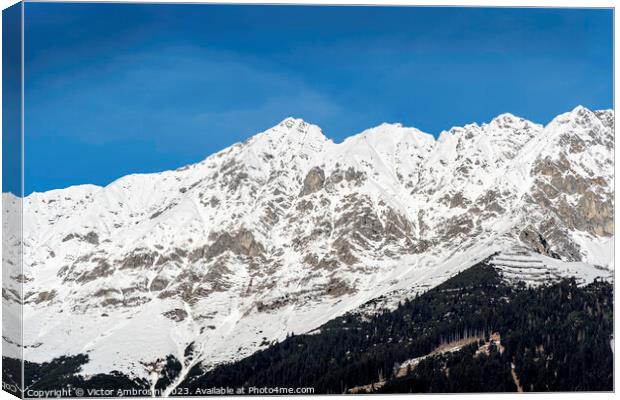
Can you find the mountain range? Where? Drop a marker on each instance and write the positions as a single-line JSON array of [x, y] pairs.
[[289, 230]]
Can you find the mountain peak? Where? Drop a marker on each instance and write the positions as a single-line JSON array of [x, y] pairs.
[[508, 120], [291, 135], [392, 133], [292, 127], [506, 117], [511, 125], [390, 125], [580, 110], [291, 121], [579, 115]]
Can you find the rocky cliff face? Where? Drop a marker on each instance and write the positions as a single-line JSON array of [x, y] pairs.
[[287, 230]]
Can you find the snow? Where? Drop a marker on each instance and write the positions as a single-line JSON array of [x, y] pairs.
[[256, 186], [536, 269]]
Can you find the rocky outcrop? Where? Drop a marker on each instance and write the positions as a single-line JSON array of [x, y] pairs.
[[241, 243], [582, 203], [397, 226], [313, 182], [593, 214], [159, 283], [176, 315], [534, 240], [91, 237], [344, 251], [139, 258]]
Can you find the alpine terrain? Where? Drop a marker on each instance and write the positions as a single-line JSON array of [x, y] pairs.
[[167, 279]]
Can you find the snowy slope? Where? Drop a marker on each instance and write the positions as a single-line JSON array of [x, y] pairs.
[[287, 230]]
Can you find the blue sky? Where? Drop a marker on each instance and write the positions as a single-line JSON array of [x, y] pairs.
[[113, 89], [11, 100]]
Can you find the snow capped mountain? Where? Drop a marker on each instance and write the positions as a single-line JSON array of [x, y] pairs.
[[288, 230]]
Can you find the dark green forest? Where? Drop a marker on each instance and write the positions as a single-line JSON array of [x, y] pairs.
[[553, 338], [557, 337]]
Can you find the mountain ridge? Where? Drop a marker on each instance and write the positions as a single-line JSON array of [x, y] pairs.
[[297, 120], [287, 230]]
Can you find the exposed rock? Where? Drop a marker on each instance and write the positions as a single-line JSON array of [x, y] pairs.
[[595, 215], [421, 246], [275, 304], [158, 284], [139, 258], [338, 287], [163, 210], [45, 296], [69, 237], [102, 269], [397, 226], [490, 202], [217, 277], [233, 175], [176, 314], [313, 182], [242, 243], [359, 220], [458, 200], [355, 176], [105, 292], [305, 205], [458, 225], [311, 259], [536, 241], [92, 238], [555, 235], [343, 251]]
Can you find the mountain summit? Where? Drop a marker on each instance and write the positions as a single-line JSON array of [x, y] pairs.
[[289, 230]]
